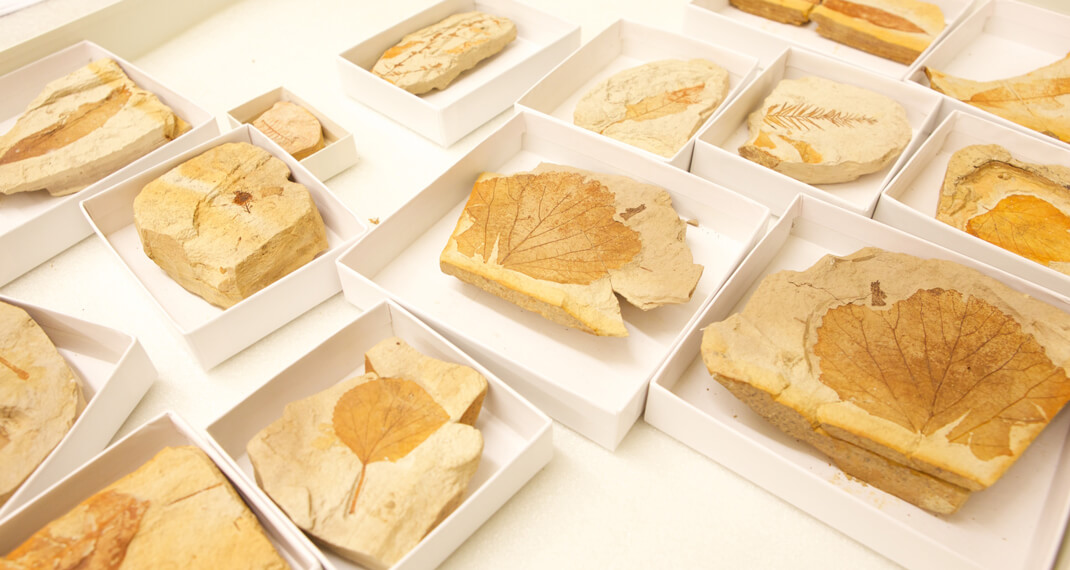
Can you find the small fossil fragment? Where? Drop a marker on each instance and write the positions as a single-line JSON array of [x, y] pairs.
[[293, 127]]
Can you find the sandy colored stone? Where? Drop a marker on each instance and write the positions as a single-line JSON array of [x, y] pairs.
[[228, 223], [293, 127], [924, 378], [1019, 206], [561, 241], [656, 106], [822, 132], [81, 128], [784, 11], [40, 397], [898, 30], [374, 513], [433, 57], [1039, 100], [176, 511]]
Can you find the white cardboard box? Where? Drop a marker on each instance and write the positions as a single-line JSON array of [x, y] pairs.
[[595, 385], [115, 373], [623, 45], [910, 201], [765, 38], [215, 334], [34, 226], [340, 151], [517, 437], [124, 457], [716, 150], [1015, 524], [476, 95], [1002, 39]]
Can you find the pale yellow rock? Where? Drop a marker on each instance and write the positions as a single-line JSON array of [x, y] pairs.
[[1019, 206], [431, 58], [81, 128], [1039, 100], [823, 132], [228, 223], [176, 511], [293, 127], [374, 513], [656, 106], [898, 30], [795, 12], [40, 397], [561, 241], [922, 377]]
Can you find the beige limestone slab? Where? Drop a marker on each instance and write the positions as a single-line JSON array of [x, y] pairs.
[[293, 127]]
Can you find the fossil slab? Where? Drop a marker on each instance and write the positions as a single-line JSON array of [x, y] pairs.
[[561, 241], [228, 223], [1039, 100], [922, 377], [656, 106], [784, 11], [81, 128], [176, 511], [898, 30], [40, 397], [433, 57], [293, 127], [822, 132], [1021, 207], [371, 465]]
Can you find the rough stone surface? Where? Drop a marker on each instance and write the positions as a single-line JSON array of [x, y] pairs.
[[40, 397], [561, 241], [433, 57], [176, 511], [293, 127], [374, 513], [921, 377], [228, 223], [656, 106], [81, 128], [1039, 100], [898, 30], [795, 12], [822, 132]]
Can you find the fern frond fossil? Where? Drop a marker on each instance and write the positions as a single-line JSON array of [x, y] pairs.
[[804, 116]]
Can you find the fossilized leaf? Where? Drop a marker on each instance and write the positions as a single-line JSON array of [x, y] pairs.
[[804, 116], [1025, 91], [75, 125], [555, 226], [383, 420], [875, 16], [95, 536], [1026, 225], [936, 360], [663, 104]]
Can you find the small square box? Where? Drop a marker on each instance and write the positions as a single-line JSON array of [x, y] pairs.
[[765, 38], [340, 151], [1001, 39], [517, 438], [476, 95], [1015, 524], [595, 385], [124, 457], [215, 334], [115, 373], [35, 226], [621, 46], [716, 150]]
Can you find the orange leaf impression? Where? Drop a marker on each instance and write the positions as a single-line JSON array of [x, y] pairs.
[[555, 226], [936, 361], [662, 104], [1026, 225], [104, 526], [383, 420]]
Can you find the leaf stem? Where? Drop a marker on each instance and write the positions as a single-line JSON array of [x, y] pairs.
[[356, 492]]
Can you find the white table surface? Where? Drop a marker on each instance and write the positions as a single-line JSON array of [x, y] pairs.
[[654, 503]]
